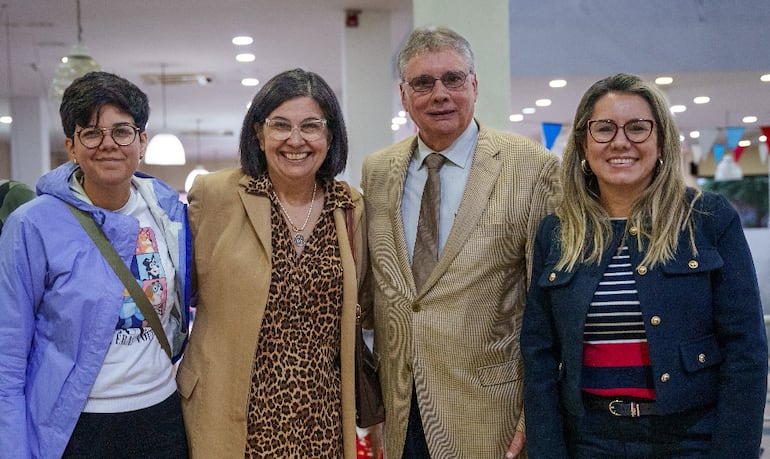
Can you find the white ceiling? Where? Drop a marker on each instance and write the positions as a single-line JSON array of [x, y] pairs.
[[717, 48]]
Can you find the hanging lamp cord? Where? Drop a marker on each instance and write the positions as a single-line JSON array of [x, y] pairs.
[[8, 51], [80, 25], [163, 92]]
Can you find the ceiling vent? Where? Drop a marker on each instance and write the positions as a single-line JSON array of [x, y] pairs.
[[177, 78], [209, 133]]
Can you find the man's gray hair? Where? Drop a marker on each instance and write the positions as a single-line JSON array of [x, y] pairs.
[[427, 39]]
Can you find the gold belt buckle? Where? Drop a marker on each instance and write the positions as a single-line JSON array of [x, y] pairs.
[[635, 412], [611, 407]]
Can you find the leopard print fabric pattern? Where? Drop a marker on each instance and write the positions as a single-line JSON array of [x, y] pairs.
[[294, 406]]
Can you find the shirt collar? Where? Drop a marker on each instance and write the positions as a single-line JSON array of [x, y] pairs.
[[459, 152]]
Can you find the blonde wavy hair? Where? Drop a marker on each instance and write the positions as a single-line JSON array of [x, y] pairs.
[[660, 213]]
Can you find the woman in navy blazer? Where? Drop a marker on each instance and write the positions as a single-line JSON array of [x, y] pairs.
[[643, 333]]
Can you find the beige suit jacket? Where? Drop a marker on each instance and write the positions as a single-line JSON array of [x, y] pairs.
[[458, 337], [232, 253]]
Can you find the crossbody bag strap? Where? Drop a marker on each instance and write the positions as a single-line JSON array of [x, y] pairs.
[[349, 224], [112, 257], [351, 240]]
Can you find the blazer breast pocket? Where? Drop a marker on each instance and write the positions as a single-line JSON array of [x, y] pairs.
[[708, 260]]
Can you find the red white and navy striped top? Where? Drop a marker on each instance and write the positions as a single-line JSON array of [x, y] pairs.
[[616, 358]]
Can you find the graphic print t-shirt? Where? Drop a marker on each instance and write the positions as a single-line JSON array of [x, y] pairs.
[[136, 372]]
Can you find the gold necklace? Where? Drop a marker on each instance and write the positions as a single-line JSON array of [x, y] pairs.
[[298, 238]]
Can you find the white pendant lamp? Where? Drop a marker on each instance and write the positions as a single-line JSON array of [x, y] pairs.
[[164, 149], [728, 169], [199, 169], [74, 66]]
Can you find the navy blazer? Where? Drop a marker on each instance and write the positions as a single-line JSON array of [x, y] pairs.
[[702, 316]]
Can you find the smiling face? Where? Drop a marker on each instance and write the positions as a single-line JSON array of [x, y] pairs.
[[294, 159], [623, 169], [441, 114], [107, 168]]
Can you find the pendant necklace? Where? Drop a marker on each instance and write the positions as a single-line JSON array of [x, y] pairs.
[[298, 238]]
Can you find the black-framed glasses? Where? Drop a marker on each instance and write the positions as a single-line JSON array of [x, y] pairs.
[[281, 129], [636, 131], [450, 80], [122, 134]]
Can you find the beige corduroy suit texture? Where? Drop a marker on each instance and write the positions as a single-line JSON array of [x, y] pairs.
[[458, 337]]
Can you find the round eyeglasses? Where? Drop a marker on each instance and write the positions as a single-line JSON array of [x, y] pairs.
[[450, 80], [281, 129], [636, 131], [123, 135]]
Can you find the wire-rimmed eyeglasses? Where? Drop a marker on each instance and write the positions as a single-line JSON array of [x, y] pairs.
[[122, 134], [636, 131], [281, 129], [450, 80]]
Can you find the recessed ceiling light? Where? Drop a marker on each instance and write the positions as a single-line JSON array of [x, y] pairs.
[[528, 110], [664, 80], [678, 108], [543, 102], [6, 119], [744, 143], [245, 57], [694, 134], [517, 117], [249, 81], [242, 40], [701, 100], [749, 119], [557, 83], [762, 138], [765, 77]]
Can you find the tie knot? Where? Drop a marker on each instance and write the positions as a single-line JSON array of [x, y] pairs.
[[434, 161]]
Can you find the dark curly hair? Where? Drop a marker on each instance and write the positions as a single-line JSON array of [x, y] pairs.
[[89, 93]]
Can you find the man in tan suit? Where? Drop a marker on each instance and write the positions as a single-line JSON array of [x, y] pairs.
[[451, 369]]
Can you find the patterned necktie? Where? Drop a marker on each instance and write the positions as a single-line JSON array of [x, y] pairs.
[[425, 253]]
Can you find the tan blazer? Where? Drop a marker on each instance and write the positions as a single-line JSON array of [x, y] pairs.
[[458, 338], [232, 252]]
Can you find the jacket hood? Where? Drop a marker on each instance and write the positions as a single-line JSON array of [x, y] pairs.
[[56, 184]]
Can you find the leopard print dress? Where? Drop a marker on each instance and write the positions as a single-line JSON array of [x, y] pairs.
[[294, 406]]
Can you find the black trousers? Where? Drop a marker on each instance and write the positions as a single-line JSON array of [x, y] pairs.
[[415, 446], [154, 432]]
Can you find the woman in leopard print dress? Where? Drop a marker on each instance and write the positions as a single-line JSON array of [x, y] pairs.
[[269, 367]]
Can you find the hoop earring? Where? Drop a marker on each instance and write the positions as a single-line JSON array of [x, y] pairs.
[[586, 168]]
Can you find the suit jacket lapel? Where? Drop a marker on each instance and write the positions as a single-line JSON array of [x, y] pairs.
[[256, 208]]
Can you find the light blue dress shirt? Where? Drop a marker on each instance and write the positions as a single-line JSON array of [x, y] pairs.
[[453, 176]]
